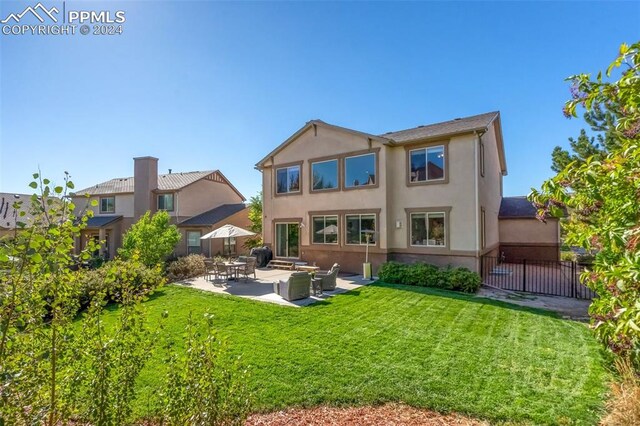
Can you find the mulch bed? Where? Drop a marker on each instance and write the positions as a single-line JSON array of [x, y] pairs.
[[387, 415]]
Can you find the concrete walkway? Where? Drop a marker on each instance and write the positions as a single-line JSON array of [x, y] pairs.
[[576, 309], [261, 288]]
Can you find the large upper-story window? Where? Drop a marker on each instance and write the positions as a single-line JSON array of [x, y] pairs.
[[360, 227], [107, 204], [428, 229], [325, 229], [360, 170], [165, 202], [427, 164], [288, 180], [324, 175]]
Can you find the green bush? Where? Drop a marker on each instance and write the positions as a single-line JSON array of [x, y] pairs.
[[186, 267], [112, 276], [152, 237], [426, 275], [567, 256]]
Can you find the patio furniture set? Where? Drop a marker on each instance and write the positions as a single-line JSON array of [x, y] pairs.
[[231, 270], [301, 284]]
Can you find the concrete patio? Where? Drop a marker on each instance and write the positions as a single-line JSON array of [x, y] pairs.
[[261, 288]]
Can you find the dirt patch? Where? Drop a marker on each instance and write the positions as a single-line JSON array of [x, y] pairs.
[[384, 415]]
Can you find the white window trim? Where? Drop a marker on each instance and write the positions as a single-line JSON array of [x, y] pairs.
[[375, 223], [313, 231], [427, 214], [337, 175], [375, 171], [297, 166], [426, 154]]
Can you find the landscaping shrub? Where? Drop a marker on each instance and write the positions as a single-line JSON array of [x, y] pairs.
[[205, 384], [426, 275], [111, 277], [186, 267], [624, 407], [567, 256], [152, 237]]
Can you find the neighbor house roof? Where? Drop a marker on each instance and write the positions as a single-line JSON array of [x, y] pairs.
[[517, 207], [8, 215], [214, 215], [474, 123], [102, 220], [446, 128], [166, 182]]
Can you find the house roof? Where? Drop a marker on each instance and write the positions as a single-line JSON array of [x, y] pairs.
[[102, 220], [214, 215], [517, 207], [456, 126], [478, 123], [166, 182], [8, 215]]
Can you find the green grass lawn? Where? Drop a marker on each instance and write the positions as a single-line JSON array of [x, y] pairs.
[[434, 349]]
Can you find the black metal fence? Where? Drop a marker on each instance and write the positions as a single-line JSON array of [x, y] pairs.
[[556, 278]]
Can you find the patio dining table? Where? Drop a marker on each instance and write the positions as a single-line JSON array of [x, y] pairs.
[[235, 266]]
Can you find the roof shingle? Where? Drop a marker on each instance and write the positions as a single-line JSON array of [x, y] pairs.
[[166, 182], [459, 125], [214, 215], [517, 207]]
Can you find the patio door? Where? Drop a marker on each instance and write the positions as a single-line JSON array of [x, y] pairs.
[[287, 240]]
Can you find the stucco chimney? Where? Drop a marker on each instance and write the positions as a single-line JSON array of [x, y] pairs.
[[145, 174]]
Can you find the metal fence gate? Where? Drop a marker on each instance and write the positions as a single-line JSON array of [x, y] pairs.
[[556, 278]]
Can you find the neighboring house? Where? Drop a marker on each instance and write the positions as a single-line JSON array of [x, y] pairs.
[[523, 236], [196, 201], [9, 216], [431, 193]]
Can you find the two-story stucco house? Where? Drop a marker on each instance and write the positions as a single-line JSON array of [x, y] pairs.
[[196, 201], [431, 193]]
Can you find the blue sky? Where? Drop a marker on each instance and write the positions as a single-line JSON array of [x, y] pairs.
[[206, 85]]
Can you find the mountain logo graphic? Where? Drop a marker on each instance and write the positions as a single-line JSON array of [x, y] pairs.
[[34, 11]]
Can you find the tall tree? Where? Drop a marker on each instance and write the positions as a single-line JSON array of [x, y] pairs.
[[602, 194], [255, 216]]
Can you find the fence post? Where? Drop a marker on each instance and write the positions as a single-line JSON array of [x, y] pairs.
[[573, 279], [524, 274]]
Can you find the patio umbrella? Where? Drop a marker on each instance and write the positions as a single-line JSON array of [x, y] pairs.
[[227, 231]]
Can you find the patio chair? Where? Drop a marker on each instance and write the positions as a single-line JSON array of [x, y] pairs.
[[298, 286], [249, 268], [209, 269], [329, 278], [221, 270]]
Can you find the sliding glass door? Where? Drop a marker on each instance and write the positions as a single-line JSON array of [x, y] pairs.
[[287, 240]]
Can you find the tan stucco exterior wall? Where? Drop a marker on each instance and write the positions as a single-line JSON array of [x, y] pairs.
[[202, 196], [489, 189], [456, 194], [390, 199], [529, 231], [124, 205], [328, 142]]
